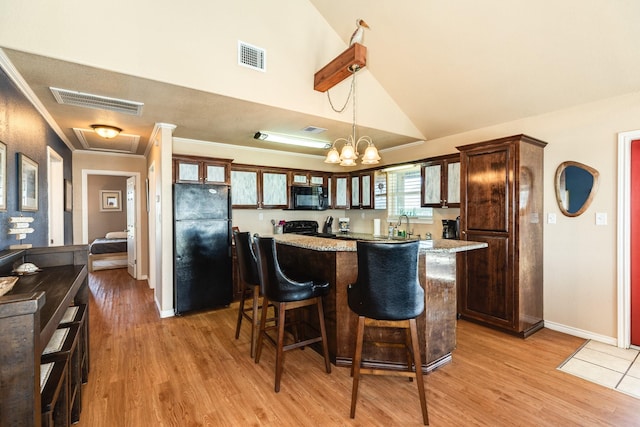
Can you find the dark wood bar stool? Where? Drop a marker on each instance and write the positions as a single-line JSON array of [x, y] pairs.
[[54, 393], [289, 295], [248, 269], [387, 293], [64, 346], [77, 314]]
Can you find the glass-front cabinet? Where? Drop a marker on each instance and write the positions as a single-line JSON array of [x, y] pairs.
[[341, 191], [256, 188], [244, 187], [274, 190], [441, 182], [362, 190], [201, 170]]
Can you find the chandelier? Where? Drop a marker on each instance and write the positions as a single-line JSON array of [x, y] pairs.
[[349, 153]]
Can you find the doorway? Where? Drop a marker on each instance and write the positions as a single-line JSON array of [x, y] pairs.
[[137, 217], [55, 184]]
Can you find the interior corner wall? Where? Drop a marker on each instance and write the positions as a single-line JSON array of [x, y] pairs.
[[24, 130]]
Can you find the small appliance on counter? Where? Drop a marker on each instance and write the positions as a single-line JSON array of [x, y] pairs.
[[451, 228], [343, 224]]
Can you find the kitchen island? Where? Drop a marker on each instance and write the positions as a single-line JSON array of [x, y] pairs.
[[335, 261]]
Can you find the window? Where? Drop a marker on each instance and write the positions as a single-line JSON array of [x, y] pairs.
[[403, 193]]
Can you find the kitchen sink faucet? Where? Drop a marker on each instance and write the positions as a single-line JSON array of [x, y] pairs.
[[407, 228]]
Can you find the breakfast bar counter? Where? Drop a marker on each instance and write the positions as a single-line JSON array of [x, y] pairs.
[[335, 261]]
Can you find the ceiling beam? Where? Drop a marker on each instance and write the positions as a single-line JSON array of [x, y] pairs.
[[343, 66]]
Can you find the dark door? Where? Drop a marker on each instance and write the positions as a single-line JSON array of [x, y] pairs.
[[486, 288]]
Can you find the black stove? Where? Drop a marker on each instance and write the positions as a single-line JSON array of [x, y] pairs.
[[305, 228], [308, 228]]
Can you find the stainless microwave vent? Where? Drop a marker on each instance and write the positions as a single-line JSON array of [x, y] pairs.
[[88, 100], [252, 56]]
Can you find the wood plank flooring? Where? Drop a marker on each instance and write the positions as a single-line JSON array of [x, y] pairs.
[[190, 371]]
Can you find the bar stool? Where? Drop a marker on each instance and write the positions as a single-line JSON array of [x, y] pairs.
[[77, 314], [248, 269], [387, 293], [64, 346], [54, 394], [289, 295]]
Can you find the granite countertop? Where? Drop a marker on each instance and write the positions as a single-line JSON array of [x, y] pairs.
[[339, 245]]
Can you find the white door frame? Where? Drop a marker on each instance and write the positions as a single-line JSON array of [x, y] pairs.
[[624, 236], [151, 224], [85, 209], [55, 186]]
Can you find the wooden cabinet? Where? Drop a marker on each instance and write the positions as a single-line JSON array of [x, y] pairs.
[[255, 188], [441, 182], [201, 170], [309, 178], [362, 190], [502, 205], [341, 191], [29, 316]]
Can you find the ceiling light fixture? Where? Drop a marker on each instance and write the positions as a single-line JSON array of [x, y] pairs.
[[106, 131], [291, 140], [349, 153]]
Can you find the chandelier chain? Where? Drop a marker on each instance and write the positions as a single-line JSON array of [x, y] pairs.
[[351, 92]]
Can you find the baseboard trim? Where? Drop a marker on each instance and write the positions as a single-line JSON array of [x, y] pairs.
[[580, 333]]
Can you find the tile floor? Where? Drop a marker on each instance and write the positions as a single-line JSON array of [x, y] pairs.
[[606, 365]]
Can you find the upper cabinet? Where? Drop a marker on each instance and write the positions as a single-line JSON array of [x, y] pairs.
[[441, 182], [309, 178], [362, 190], [201, 170], [341, 188], [256, 188]]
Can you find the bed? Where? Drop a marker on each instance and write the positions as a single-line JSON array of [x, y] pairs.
[[108, 252]]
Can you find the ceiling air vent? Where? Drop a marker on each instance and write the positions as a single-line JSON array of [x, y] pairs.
[[87, 100], [252, 56]]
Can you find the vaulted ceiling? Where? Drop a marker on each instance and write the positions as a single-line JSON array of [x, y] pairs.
[[446, 66]]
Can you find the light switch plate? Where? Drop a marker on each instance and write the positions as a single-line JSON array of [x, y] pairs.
[[551, 218], [601, 218]]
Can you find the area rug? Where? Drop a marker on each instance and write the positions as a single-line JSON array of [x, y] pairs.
[[607, 365]]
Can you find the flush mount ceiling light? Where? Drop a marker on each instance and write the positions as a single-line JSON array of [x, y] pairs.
[[349, 153], [106, 131], [291, 140]]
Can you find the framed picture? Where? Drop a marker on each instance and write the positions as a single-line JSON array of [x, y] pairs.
[[3, 177], [68, 196], [28, 183], [110, 200]]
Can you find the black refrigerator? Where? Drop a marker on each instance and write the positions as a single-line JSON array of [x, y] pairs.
[[202, 246]]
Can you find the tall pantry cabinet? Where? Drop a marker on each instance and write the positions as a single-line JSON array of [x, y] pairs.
[[502, 205]]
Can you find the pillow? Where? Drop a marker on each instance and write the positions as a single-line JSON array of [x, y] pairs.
[[116, 235]]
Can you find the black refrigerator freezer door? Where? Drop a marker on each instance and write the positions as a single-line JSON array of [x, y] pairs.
[[198, 201], [202, 270]]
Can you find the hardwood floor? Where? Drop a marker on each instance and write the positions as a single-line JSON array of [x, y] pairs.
[[190, 371]]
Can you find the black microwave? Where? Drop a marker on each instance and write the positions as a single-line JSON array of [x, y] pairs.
[[309, 197]]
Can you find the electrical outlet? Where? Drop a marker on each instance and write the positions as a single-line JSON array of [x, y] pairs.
[[551, 218], [260, 216], [601, 218]]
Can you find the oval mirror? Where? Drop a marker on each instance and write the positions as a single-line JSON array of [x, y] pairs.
[[576, 185]]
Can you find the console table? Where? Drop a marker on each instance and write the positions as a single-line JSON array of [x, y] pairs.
[[29, 314]]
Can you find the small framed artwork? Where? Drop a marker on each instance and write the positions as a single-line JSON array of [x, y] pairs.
[[28, 183], [3, 177], [68, 196], [110, 200]]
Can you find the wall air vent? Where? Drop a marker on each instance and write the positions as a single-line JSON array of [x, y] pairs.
[[313, 129], [87, 100], [252, 56]]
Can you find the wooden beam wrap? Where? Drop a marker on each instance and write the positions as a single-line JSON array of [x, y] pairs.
[[338, 69]]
